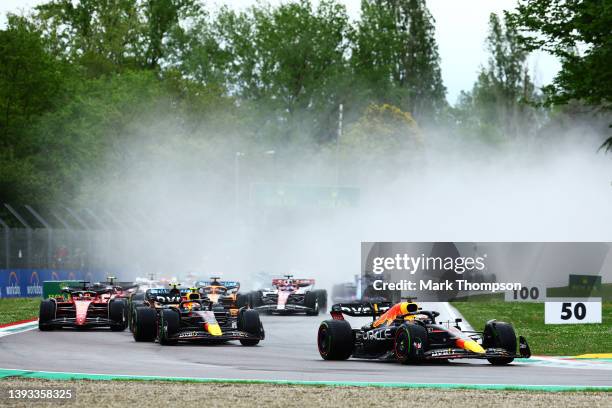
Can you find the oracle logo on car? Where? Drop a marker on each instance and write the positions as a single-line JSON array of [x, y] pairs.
[[384, 334]]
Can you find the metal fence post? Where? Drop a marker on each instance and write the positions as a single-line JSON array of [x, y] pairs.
[[87, 231], [28, 232], [7, 242], [49, 233]]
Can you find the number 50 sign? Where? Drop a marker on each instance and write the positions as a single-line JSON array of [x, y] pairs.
[[573, 311]]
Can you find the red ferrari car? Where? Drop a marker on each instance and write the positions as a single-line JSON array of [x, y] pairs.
[[87, 306]]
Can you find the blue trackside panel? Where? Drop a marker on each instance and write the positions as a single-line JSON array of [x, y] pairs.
[[29, 282]]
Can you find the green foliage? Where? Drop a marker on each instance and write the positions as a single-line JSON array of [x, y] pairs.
[[528, 321], [396, 56], [578, 32], [501, 103], [82, 82], [31, 85], [289, 57]]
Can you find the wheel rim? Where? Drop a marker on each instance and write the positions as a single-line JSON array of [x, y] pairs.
[[402, 344], [323, 341]]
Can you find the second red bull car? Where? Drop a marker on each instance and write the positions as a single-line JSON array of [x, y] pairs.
[[405, 333], [190, 318]]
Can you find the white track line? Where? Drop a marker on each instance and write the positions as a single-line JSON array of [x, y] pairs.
[[18, 328]]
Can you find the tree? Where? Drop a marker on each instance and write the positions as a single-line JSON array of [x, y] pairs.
[[32, 83], [498, 106], [396, 56], [289, 58], [111, 36], [578, 32], [29, 77]]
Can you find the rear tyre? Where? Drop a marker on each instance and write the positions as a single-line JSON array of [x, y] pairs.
[[145, 325], [168, 326], [248, 321], [242, 300], [116, 312], [311, 301], [136, 300], [335, 340], [322, 297], [46, 313], [410, 343], [255, 299], [499, 335]]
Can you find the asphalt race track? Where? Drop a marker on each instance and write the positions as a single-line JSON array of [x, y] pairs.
[[289, 352]]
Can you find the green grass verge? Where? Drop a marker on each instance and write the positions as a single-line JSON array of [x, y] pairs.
[[550, 339], [14, 309], [604, 292]]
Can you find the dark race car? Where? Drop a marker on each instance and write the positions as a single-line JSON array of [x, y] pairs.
[[290, 295], [155, 299], [225, 293], [405, 333], [87, 306], [138, 297], [172, 319]]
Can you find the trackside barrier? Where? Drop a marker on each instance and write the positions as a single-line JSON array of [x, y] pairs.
[[29, 282]]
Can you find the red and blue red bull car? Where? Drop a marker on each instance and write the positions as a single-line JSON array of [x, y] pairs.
[[173, 317], [405, 333]]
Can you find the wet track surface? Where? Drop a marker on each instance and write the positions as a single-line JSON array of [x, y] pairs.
[[289, 352]]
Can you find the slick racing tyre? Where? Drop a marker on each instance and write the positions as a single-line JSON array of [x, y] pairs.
[[322, 298], [46, 314], [117, 313], [410, 343], [168, 326], [242, 300], [311, 301], [499, 335], [335, 340], [136, 300], [145, 325], [248, 321], [255, 299]]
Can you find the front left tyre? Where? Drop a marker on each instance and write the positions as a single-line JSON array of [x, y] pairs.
[[117, 313], [410, 343], [145, 325], [499, 335], [311, 301], [168, 326], [248, 321], [46, 313]]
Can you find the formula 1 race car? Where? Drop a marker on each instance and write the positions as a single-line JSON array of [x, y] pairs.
[[222, 292], [408, 334], [87, 306], [290, 295], [137, 298], [194, 319], [153, 298]]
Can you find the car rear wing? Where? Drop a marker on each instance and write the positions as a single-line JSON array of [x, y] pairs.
[[229, 285], [165, 296], [301, 283], [359, 309]]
